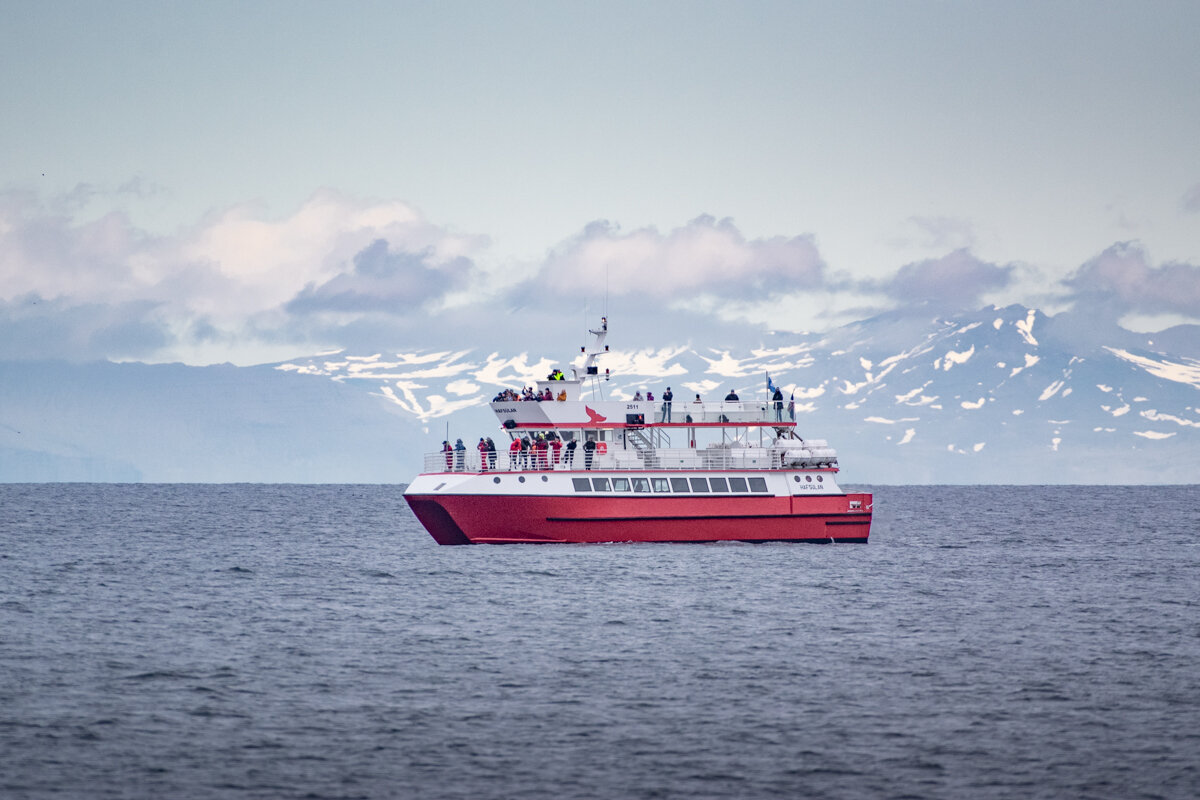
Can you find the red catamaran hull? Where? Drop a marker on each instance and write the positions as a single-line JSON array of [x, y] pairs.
[[529, 519]]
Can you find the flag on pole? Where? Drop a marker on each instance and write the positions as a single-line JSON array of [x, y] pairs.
[[792, 407], [770, 386]]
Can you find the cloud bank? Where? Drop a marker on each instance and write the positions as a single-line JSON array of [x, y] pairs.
[[1121, 280], [706, 256], [342, 272], [955, 281]]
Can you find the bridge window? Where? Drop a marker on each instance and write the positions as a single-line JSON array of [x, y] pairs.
[[620, 484], [758, 484], [737, 484], [660, 484], [679, 484], [718, 484], [601, 484], [699, 484], [582, 484], [641, 485]]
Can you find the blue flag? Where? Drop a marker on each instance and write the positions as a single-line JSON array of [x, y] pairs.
[[770, 386]]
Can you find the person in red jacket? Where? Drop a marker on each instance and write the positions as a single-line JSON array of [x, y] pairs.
[[449, 451], [483, 454], [514, 452]]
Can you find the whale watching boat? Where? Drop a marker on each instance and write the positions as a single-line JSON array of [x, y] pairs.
[[601, 470]]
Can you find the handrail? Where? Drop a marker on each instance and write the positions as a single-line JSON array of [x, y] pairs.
[[723, 411], [661, 459]]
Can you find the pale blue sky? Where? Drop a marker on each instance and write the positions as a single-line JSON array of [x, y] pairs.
[[1036, 135]]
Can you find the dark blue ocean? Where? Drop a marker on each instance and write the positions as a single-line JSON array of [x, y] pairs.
[[257, 641]]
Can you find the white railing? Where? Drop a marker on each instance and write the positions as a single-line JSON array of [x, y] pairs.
[[717, 458], [724, 411]]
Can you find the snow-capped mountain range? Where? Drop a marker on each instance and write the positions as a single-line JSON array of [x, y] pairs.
[[999, 395]]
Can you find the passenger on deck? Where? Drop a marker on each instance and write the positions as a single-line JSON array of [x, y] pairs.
[[449, 451], [482, 447], [777, 400], [514, 454], [731, 397], [666, 409], [569, 458], [562, 396], [556, 446], [460, 455], [589, 449], [637, 395]]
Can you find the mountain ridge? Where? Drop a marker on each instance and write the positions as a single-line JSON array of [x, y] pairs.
[[996, 395]]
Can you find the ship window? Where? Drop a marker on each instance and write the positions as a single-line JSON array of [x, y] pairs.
[[758, 484], [544, 479], [620, 484], [601, 484], [820, 479], [718, 484], [807, 478], [521, 478], [641, 485], [679, 484], [582, 484], [496, 479], [737, 484], [661, 484], [699, 484]]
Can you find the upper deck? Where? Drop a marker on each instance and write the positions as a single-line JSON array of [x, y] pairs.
[[574, 412]]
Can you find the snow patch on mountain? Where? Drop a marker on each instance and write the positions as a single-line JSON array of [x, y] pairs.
[[952, 358], [808, 393], [1152, 414], [1050, 391], [1030, 360], [1155, 435], [1025, 327], [1185, 370]]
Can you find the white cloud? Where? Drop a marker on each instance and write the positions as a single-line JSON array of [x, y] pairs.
[[706, 255]]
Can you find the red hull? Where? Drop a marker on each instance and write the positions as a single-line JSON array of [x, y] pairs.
[[509, 519]]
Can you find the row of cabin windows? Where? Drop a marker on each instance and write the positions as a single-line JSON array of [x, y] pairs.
[[676, 485]]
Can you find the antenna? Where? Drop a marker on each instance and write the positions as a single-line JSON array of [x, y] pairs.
[[606, 269]]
